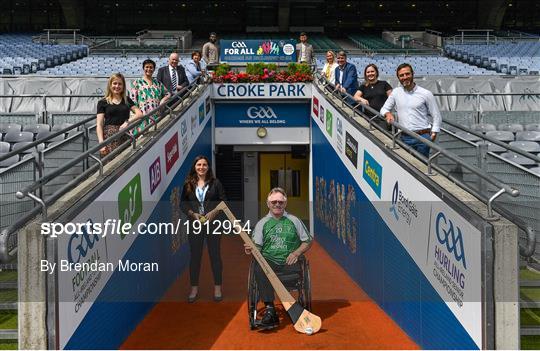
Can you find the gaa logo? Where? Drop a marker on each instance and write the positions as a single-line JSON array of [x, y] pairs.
[[450, 236], [260, 112], [238, 44]]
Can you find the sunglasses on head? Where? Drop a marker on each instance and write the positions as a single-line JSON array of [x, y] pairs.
[[277, 202]]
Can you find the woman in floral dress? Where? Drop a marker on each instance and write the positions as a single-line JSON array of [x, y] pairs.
[[148, 93]]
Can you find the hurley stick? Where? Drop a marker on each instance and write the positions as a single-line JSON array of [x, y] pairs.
[[303, 320]]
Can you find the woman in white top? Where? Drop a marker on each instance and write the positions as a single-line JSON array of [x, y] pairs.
[[329, 68]]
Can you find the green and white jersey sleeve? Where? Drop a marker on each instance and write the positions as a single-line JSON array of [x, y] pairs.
[[279, 237]]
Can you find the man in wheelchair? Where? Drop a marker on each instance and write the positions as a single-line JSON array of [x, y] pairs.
[[281, 238]]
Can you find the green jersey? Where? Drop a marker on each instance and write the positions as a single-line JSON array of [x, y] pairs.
[[277, 238]]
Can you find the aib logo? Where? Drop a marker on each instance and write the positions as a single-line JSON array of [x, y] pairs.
[[254, 112], [84, 243], [450, 235], [268, 48], [155, 175]]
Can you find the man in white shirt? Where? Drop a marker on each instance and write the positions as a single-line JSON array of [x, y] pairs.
[[416, 108]]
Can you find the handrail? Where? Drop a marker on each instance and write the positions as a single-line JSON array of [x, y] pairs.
[[494, 141], [41, 141], [27, 191], [527, 250], [45, 179], [448, 154]]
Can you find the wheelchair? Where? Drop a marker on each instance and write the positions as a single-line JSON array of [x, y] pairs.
[[297, 283]]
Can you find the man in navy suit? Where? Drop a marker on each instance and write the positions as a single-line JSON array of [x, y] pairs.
[[346, 75], [173, 76]]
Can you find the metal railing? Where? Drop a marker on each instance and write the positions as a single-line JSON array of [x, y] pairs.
[[495, 189], [45, 189]]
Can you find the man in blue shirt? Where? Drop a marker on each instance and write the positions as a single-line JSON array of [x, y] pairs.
[[346, 75]]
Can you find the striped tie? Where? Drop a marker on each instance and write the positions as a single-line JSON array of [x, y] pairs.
[[174, 80]]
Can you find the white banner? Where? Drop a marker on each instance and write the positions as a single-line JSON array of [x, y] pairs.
[[261, 91]]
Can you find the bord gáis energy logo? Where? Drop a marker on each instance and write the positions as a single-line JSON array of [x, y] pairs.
[[130, 202], [450, 235], [402, 206]]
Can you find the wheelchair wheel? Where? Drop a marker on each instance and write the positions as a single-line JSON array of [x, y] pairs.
[[252, 297], [307, 286], [304, 287]]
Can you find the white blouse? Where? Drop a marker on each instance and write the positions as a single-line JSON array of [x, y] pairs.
[[330, 74]]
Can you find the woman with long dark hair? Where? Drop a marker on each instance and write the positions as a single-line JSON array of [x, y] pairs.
[[373, 92], [201, 194]]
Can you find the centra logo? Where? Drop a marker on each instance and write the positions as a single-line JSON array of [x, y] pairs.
[[372, 173], [130, 202], [254, 112], [450, 236]]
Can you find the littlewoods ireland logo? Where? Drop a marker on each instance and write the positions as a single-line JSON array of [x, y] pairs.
[[130, 202], [254, 112]]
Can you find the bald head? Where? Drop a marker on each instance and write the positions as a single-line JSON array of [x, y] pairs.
[[173, 59]]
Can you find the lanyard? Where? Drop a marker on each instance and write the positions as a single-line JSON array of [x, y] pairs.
[[201, 193]]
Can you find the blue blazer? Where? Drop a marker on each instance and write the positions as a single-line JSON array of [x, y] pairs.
[[350, 78]]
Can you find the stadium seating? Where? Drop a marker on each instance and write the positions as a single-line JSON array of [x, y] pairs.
[[508, 57], [423, 65], [19, 55]]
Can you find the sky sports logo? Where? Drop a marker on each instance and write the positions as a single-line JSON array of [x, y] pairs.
[[155, 174], [172, 152]]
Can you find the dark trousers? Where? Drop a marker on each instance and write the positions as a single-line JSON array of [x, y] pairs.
[[266, 291], [416, 144], [196, 243]]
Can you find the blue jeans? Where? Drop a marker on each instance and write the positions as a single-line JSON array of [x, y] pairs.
[[416, 144]]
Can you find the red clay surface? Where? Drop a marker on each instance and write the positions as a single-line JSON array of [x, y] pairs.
[[350, 319]]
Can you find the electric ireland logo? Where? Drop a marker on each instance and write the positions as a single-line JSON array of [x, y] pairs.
[[130, 202]]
